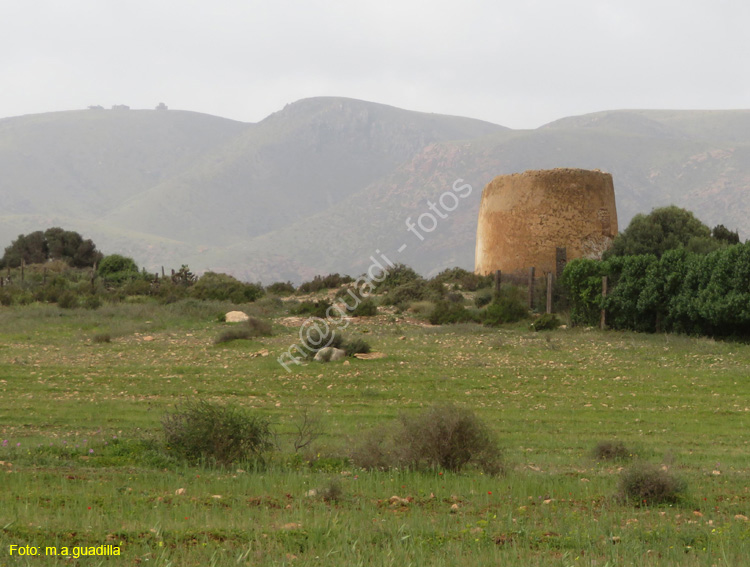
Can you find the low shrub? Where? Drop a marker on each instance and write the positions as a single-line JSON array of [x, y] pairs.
[[645, 484], [333, 491], [101, 338], [546, 322], [205, 432], [251, 328], [331, 281], [446, 313], [92, 302], [6, 299], [67, 300], [403, 295], [448, 437], [374, 449], [312, 308], [441, 437], [316, 338], [281, 288], [223, 287], [356, 346], [397, 276], [509, 307], [611, 451], [483, 297], [365, 308], [422, 308], [463, 279]]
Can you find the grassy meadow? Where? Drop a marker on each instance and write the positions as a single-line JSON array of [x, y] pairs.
[[83, 393]]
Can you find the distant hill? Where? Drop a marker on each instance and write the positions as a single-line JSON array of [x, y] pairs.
[[323, 183]]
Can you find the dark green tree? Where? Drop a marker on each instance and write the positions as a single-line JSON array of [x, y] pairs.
[[52, 244], [30, 249], [723, 234], [667, 228]]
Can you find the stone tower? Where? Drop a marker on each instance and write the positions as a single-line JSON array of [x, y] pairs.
[[524, 217]]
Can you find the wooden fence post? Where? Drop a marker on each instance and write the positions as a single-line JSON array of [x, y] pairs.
[[531, 288], [23, 265], [603, 321], [549, 292], [498, 279]]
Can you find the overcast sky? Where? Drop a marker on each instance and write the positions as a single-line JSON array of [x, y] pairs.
[[520, 63]]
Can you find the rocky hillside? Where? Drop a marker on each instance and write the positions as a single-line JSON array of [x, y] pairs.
[[323, 183]]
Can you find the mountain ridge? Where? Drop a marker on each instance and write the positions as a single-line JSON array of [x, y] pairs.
[[320, 184]]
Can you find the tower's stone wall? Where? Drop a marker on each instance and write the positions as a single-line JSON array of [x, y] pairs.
[[524, 217]]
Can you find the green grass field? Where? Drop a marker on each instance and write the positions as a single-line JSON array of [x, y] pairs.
[[80, 425]]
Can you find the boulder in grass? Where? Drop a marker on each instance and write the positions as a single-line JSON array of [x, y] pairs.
[[236, 317], [330, 354]]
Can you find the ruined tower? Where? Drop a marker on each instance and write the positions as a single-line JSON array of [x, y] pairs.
[[525, 217]]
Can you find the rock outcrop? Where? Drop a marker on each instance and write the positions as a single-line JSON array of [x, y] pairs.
[[524, 218]]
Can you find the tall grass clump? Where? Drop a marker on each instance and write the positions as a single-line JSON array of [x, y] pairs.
[[441, 437], [207, 433], [611, 451], [645, 484], [251, 328]]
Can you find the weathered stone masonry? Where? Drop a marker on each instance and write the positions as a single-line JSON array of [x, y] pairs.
[[524, 217]]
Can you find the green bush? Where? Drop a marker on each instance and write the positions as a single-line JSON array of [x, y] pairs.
[[312, 308], [205, 432], [249, 329], [116, 269], [403, 295], [397, 276], [331, 281], [483, 297], [582, 279], [546, 322], [510, 307], [365, 308], [356, 346], [645, 484], [92, 302], [463, 279], [280, 288], [446, 313], [67, 300], [6, 298], [223, 287]]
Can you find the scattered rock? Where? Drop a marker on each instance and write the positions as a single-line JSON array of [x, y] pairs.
[[369, 355], [454, 508], [148, 338], [179, 491], [236, 317], [398, 501], [330, 354], [740, 517]]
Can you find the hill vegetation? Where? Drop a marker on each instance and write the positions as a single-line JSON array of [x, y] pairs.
[[319, 185]]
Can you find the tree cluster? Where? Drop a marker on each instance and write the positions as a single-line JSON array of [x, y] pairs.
[[687, 279], [52, 244]]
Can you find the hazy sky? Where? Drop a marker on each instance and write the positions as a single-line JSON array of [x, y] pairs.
[[520, 63]]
